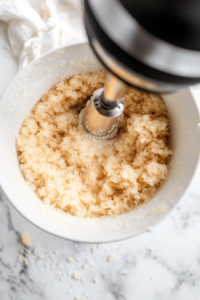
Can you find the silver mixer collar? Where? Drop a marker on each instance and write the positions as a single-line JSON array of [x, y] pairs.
[[101, 115]]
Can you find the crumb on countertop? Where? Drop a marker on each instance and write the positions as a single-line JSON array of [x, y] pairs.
[[26, 262], [20, 258], [25, 239], [76, 276], [111, 257], [70, 259], [84, 266]]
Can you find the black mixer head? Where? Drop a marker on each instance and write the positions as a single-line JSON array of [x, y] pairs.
[[152, 45]]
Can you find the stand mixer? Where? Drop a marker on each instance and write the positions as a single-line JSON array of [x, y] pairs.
[[149, 44]]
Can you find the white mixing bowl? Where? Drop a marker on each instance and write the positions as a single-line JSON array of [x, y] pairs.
[[20, 97]]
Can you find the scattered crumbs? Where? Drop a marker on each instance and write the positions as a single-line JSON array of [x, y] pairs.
[[21, 251], [25, 239], [26, 262], [149, 229], [20, 257], [138, 217], [76, 276], [95, 280], [191, 274], [84, 266], [28, 251], [93, 249], [70, 259], [156, 210], [111, 257]]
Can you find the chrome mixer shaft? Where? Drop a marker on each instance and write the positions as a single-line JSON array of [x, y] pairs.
[[101, 117]]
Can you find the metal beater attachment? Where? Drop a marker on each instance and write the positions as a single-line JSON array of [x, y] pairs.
[[101, 116]]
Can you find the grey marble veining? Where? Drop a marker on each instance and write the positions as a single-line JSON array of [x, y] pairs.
[[159, 265]]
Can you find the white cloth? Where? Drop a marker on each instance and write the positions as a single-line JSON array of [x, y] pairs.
[[32, 32]]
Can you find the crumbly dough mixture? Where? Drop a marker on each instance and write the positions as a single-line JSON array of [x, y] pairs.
[[70, 169]]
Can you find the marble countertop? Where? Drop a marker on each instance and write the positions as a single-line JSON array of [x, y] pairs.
[[158, 265]]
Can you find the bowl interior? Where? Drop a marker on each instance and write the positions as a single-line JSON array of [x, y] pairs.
[[19, 98]]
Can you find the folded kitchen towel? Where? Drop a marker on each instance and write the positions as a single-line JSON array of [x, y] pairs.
[[33, 32]]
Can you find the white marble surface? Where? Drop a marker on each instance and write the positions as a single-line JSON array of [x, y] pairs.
[[158, 265]]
